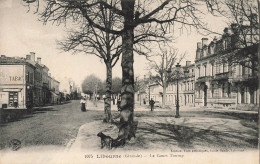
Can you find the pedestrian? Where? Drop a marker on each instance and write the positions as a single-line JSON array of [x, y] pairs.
[[118, 104], [151, 102], [83, 104]]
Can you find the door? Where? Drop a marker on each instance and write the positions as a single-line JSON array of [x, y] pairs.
[[13, 99], [205, 95]]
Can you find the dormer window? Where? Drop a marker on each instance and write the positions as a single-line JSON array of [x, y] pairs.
[[225, 44]]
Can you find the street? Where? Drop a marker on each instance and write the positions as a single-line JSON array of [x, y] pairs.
[[54, 125], [58, 125]]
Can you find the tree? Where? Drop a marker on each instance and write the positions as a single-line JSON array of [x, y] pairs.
[[158, 16], [92, 84], [243, 18], [167, 61], [106, 46]]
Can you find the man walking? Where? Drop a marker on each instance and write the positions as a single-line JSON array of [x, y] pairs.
[[151, 103]]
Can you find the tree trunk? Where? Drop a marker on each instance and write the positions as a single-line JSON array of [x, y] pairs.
[[107, 107], [164, 96], [127, 91]]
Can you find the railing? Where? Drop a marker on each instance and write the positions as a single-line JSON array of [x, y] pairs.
[[243, 77], [204, 78], [222, 76]]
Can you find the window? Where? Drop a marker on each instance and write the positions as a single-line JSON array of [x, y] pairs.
[[252, 96], [212, 69], [223, 90], [243, 70], [27, 76], [205, 70], [225, 68], [224, 44], [212, 91], [242, 95], [229, 90]]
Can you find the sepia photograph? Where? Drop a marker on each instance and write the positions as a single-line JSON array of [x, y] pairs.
[[129, 81]]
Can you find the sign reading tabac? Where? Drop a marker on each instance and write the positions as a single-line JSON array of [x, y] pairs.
[[11, 74]]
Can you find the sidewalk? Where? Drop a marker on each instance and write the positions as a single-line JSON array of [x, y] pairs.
[[167, 133]]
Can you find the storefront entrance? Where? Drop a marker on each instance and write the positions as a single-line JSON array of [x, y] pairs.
[[13, 99]]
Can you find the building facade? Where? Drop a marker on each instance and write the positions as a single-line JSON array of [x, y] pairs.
[[221, 82], [16, 82], [25, 83], [186, 84], [54, 90]]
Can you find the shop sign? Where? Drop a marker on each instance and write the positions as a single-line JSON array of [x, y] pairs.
[[11, 74]]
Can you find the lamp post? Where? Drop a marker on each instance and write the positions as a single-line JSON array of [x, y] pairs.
[[177, 101]]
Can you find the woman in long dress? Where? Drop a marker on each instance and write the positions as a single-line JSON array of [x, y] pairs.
[[83, 104]]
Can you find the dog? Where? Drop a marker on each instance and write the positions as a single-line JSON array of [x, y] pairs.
[[106, 141]]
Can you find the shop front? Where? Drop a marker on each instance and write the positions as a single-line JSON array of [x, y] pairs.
[[12, 87]]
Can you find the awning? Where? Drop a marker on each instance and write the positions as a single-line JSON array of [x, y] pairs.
[[12, 89]]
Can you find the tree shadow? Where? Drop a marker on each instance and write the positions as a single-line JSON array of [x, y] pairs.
[[20, 114], [186, 137]]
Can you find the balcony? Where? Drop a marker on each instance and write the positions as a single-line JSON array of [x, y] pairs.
[[204, 79], [222, 76], [45, 85], [243, 78]]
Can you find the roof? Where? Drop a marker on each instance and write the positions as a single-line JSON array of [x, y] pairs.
[[14, 61]]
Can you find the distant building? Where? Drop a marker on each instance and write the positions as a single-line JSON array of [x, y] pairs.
[[54, 90], [186, 80]]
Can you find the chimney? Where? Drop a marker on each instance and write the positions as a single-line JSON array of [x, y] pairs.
[[32, 56], [50, 74], [28, 57], [3, 56], [226, 30], [144, 76], [39, 60], [234, 27], [199, 46], [188, 63], [204, 41], [215, 39]]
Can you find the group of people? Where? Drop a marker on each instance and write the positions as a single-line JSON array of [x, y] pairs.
[[83, 103]]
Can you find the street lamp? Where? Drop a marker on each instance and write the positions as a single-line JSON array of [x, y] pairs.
[[177, 101]]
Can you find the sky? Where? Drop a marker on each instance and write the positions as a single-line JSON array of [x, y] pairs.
[[22, 33]]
